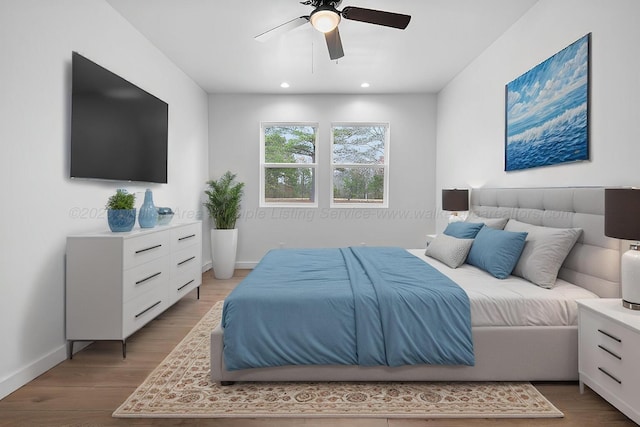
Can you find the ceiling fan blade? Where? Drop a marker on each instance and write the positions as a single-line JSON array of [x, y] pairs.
[[379, 17], [283, 28], [334, 44]]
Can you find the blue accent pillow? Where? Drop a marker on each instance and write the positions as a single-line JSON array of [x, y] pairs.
[[463, 230], [496, 251]]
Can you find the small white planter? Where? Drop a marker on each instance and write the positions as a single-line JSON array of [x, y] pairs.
[[224, 244]]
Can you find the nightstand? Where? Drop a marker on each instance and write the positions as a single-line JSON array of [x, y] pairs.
[[609, 353]]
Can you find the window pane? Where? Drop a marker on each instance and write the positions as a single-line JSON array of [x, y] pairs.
[[358, 144], [289, 185], [358, 185], [289, 144]]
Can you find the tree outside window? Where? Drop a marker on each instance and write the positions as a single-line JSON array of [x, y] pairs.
[[289, 156], [360, 165]]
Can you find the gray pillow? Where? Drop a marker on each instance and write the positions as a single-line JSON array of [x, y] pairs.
[[544, 251], [497, 223], [449, 250]]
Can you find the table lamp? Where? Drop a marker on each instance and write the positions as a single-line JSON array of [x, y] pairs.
[[455, 201], [622, 221]]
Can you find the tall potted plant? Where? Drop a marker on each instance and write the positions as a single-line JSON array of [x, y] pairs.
[[223, 203]]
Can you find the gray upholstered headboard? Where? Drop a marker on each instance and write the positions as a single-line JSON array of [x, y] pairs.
[[594, 262]]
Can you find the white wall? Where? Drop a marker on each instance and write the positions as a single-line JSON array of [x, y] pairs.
[[234, 135], [40, 204], [470, 147]]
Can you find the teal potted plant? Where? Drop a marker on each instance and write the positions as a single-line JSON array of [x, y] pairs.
[[223, 204], [121, 215]]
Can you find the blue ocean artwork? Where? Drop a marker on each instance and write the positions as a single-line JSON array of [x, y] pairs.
[[547, 111]]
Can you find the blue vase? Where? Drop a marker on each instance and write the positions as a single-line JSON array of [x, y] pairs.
[[148, 216], [121, 219]]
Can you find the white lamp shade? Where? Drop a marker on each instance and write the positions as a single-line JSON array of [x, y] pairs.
[[325, 20]]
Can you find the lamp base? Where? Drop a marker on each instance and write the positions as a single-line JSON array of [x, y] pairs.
[[630, 278], [630, 305], [454, 217]]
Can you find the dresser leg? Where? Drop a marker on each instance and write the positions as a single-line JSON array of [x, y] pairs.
[[124, 349], [70, 349]]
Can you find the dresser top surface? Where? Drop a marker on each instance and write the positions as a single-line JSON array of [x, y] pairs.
[[137, 231]]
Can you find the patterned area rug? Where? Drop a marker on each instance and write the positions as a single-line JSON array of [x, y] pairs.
[[180, 388]]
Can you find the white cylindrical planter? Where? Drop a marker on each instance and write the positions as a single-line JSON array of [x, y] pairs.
[[224, 244]]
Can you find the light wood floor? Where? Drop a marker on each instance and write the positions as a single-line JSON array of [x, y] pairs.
[[86, 390]]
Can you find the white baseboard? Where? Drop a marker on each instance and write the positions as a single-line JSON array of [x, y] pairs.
[[30, 372], [246, 265], [243, 265], [207, 266]]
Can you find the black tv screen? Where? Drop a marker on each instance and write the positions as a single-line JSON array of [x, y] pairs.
[[118, 131]]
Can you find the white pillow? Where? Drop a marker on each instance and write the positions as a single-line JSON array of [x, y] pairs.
[[544, 251], [497, 223], [449, 250]]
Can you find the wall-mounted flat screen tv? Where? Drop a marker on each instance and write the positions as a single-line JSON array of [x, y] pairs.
[[118, 131]]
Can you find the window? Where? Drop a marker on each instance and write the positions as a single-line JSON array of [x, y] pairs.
[[288, 168], [359, 162]]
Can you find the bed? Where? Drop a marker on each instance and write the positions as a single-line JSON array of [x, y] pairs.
[[520, 345]]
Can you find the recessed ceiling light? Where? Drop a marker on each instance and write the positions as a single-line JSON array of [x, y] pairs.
[[365, 84], [284, 85]]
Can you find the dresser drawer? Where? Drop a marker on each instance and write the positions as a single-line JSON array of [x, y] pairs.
[[142, 309], [186, 271], [187, 235], [144, 248], [602, 348], [142, 278], [186, 259], [184, 283]]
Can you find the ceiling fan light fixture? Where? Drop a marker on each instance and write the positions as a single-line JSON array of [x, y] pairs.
[[325, 20]]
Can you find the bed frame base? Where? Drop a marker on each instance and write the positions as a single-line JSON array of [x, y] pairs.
[[529, 353]]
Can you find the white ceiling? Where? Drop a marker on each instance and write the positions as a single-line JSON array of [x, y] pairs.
[[213, 42]]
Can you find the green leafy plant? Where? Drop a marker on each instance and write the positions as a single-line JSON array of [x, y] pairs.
[[121, 200], [224, 201]]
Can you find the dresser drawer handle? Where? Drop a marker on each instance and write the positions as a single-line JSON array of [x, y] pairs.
[[148, 249], [609, 375], [148, 278], [609, 335], [147, 309], [186, 284], [610, 352], [186, 237], [186, 260]]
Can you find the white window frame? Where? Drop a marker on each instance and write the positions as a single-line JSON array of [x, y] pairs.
[[264, 165], [385, 166]]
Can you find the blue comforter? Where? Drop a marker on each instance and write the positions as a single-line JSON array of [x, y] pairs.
[[349, 306]]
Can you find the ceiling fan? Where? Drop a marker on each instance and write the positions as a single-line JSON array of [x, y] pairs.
[[325, 18]]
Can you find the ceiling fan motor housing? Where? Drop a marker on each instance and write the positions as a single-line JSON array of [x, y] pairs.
[[320, 3]]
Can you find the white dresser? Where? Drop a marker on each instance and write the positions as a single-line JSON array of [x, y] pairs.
[[118, 282], [609, 353]]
